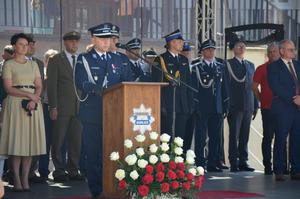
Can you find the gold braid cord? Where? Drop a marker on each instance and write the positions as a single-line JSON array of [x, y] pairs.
[[165, 71]]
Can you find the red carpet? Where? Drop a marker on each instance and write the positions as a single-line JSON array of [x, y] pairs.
[[205, 195], [227, 194]]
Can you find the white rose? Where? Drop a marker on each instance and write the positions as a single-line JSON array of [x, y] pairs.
[[179, 159], [134, 175], [165, 137], [153, 135], [128, 143], [178, 151], [164, 147], [114, 156], [193, 171], [164, 158], [140, 138], [140, 151], [200, 171], [120, 174], [131, 159], [190, 153], [190, 160], [153, 159], [178, 141], [153, 148], [142, 163]]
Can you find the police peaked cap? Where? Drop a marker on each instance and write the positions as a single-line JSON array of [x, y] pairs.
[[101, 30], [135, 43], [173, 35]]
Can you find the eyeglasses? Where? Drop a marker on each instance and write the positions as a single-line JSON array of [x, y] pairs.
[[290, 49]]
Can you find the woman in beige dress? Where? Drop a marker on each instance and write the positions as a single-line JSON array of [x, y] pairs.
[[23, 132]]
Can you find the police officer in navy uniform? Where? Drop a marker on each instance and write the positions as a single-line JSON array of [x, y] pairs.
[[176, 97], [95, 71], [211, 102], [243, 106], [136, 64], [115, 37]]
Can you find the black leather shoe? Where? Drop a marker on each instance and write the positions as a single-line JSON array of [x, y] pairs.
[[234, 169], [295, 176], [223, 166], [77, 177], [214, 169], [61, 178], [279, 177], [37, 179], [246, 168], [268, 171]]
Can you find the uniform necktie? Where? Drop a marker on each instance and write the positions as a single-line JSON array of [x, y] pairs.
[[103, 57], [294, 77], [73, 60]]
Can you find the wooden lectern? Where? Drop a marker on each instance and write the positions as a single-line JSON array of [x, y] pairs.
[[119, 103]]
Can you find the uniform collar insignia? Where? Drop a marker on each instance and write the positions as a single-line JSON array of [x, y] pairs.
[[94, 56]]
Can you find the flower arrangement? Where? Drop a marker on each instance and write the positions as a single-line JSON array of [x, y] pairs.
[[158, 170]]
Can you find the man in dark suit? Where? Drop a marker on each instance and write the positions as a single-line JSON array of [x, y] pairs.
[[175, 98], [96, 70], [64, 110], [211, 102], [242, 106], [283, 77]]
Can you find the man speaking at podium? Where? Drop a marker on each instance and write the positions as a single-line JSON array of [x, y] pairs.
[[95, 71]]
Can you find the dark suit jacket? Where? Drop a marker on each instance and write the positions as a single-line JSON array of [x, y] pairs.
[[60, 88], [241, 95], [183, 94], [282, 84]]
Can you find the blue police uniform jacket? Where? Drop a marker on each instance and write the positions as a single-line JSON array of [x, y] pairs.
[[241, 95], [183, 95], [210, 81], [105, 74], [283, 86], [138, 73]]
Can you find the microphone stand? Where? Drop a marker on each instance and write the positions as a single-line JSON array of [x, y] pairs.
[[174, 80], [155, 65]]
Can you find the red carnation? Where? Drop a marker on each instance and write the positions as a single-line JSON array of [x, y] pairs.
[[149, 169], [181, 166], [171, 175], [175, 185], [186, 185], [190, 176], [143, 190], [165, 187], [199, 182], [147, 179], [122, 184], [160, 167], [172, 165], [160, 176], [180, 174]]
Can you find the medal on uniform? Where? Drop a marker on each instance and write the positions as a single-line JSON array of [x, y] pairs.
[[114, 68], [96, 78]]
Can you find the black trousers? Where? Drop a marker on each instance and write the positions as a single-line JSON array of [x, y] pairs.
[[239, 129], [179, 120]]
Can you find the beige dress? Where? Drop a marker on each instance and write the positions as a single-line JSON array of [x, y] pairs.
[[22, 135]]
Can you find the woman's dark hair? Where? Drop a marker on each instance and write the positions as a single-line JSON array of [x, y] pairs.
[[17, 36]]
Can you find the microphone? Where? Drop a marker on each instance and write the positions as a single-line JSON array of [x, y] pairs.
[[123, 46]]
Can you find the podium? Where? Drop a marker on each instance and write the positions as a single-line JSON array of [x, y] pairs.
[[128, 108]]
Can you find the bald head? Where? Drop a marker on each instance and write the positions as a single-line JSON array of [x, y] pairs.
[[287, 49]]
